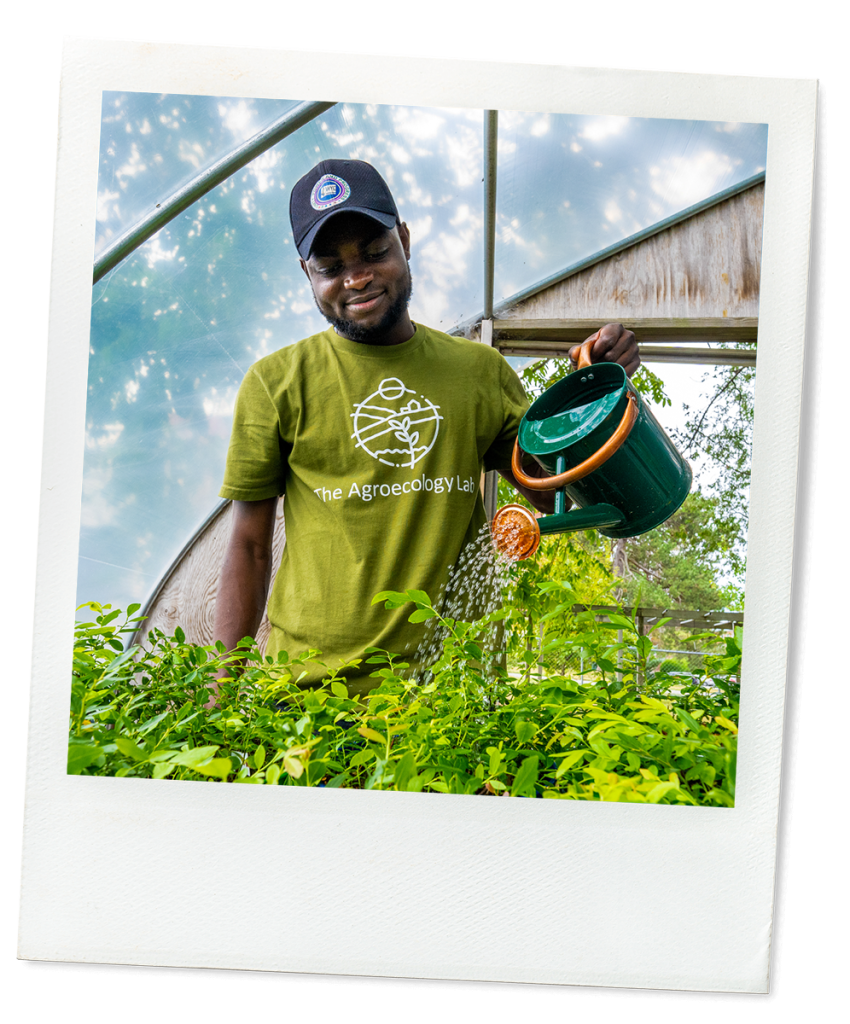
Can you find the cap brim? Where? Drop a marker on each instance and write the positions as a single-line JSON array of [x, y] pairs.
[[386, 220]]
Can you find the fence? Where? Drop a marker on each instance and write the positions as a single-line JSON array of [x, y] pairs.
[[686, 662]]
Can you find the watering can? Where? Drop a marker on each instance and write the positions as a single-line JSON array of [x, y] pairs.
[[604, 450]]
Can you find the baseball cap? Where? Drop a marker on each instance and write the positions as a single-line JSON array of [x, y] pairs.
[[337, 186]]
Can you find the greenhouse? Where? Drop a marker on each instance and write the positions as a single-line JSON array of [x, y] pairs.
[[524, 233], [528, 231]]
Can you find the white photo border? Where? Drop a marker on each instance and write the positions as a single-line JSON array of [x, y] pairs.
[[393, 884]]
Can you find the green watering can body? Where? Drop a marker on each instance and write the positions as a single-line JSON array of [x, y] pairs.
[[604, 450]]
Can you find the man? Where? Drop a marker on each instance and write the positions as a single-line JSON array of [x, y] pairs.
[[375, 430]]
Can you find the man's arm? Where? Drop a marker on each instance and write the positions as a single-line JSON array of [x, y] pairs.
[[612, 344], [246, 572], [543, 501]]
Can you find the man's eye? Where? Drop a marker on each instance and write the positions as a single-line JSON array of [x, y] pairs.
[[329, 270], [378, 254]]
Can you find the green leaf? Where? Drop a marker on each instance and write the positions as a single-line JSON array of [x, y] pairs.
[[259, 757], [361, 757], [421, 614], [152, 723], [689, 722], [392, 598], [118, 661], [657, 792], [337, 781], [372, 734], [273, 774], [129, 749], [195, 758], [404, 771], [339, 689], [621, 622], [179, 636], [81, 755], [569, 761], [220, 767], [526, 778], [524, 730]]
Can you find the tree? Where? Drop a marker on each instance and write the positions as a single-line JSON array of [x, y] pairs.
[[681, 563], [718, 439]]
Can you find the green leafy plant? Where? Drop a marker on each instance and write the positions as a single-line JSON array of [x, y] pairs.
[[625, 732]]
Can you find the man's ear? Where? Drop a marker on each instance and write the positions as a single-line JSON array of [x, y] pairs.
[[304, 267], [404, 235]]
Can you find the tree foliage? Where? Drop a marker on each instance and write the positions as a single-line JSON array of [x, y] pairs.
[[680, 563], [718, 439]]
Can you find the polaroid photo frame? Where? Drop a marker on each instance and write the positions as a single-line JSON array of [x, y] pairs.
[[393, 884]]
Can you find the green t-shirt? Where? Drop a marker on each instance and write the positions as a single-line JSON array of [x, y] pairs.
[[379, 451]]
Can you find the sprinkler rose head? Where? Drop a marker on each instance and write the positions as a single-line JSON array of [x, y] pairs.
[[515, 532]]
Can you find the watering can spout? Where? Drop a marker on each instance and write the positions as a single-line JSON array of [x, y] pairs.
[[516, 532]]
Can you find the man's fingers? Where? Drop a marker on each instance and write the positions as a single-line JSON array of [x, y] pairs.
[[611, 344]]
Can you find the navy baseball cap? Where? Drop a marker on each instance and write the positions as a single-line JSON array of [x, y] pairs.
[[337, 186]]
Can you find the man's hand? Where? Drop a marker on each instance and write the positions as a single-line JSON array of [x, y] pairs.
[[612, 344], [245, 577], [543, 501]]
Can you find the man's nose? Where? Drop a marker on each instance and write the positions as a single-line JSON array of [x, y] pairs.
[[358, 277]]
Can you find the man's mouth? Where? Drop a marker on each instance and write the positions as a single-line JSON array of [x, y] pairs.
[[364, 303]]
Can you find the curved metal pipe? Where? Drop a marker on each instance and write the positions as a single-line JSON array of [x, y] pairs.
[[207, 180]]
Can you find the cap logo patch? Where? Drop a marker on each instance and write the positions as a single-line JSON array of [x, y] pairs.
[[329, 191]]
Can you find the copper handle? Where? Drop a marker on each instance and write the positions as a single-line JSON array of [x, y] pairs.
[[583, 469], [584, 359]]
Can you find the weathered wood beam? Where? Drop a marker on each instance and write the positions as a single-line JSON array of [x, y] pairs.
[[648, 330], [679, 616], [648, 353]]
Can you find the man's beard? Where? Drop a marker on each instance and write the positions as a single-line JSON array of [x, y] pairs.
[[370, 335]]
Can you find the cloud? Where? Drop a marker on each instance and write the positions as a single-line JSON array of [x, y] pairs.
[[111, 433], [416, 124], [541, 126], [216, 404], [685, 180], [603, 127], [613, 213], [238, 117]]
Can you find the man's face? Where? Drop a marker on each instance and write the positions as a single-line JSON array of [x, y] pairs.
[[361, 280]]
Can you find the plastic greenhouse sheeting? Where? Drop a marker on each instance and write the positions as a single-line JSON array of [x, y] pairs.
[[177, 324]]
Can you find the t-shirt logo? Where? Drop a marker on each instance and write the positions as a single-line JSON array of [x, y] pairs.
[[393, 428], [329, 191]]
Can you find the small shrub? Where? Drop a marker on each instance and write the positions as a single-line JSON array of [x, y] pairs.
[[630, 733]]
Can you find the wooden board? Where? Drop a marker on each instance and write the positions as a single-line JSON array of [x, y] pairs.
[[707, 266], [187, 599]]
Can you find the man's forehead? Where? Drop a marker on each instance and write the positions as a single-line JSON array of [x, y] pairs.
[[344, 229]]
